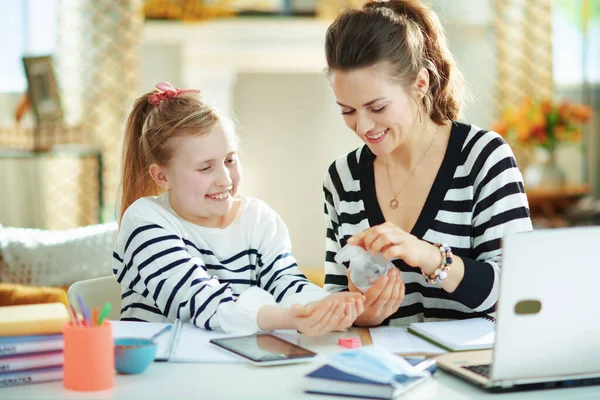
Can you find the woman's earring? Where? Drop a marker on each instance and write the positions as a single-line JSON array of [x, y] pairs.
[[419, 113]]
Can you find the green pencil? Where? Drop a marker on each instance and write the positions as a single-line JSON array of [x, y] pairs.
[[104, 313]]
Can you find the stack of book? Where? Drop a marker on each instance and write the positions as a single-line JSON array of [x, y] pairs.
[[31, 343]]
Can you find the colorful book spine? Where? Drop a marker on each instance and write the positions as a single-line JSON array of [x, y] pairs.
[[31, 361], [13, 345], [31, 376]]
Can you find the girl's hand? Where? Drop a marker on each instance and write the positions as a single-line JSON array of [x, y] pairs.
[[335, 312], [382, 299], [394, 243]]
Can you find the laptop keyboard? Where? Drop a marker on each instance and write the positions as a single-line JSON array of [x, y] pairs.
[[483, 370]]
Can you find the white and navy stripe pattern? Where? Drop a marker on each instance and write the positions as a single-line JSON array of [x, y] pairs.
[[171, 269], [477, 198]]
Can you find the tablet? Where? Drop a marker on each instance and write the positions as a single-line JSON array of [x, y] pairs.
[[265, 349]]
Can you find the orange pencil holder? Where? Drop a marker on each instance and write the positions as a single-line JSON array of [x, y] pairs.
[[89, 357]]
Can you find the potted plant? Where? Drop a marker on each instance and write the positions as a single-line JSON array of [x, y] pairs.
[[541, 126]]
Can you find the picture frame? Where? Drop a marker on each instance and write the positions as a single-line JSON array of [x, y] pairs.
[[43, 93]]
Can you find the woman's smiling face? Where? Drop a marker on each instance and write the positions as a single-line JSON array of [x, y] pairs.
[[379, 110]]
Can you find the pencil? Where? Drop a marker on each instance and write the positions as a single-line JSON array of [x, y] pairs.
[[75, 317]]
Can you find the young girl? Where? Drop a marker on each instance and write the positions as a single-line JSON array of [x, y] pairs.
[[431, 193], [190, 248]]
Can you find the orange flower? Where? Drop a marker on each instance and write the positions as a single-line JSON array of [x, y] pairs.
[[522, 128], [564, 111], [582, 113], [561, 133], [538, 118], [543, 122]]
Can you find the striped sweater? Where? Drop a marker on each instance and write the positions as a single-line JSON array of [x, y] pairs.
[[477, 197], [172, 269]]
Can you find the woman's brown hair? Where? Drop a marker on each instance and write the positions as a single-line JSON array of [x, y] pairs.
[[408, 36], [147, 139]]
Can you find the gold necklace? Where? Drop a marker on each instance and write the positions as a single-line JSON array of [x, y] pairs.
[[394, 202]]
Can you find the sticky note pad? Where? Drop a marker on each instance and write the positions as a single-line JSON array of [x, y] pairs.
[[351, 342], [33, 319]]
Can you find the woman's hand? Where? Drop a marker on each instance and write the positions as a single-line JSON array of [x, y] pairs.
[[382, 299], [394, 243], [333, 313]]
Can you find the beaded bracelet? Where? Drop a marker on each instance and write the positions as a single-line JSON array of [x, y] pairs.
[[442, 271]]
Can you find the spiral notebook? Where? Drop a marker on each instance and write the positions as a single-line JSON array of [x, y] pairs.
[[467, 334]]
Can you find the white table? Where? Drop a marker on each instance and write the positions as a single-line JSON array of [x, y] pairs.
[[244, 381]]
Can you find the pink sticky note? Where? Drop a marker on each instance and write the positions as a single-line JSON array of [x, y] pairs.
[[350, 343]]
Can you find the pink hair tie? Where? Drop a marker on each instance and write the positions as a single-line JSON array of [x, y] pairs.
[[166, 91]]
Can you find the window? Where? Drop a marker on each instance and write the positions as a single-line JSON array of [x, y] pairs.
[[29, 28], [576, 43]]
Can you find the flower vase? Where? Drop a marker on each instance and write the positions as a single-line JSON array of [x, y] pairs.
[[544, 171]]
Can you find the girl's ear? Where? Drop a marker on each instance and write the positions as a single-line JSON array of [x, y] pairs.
[[159, 176], [422, 83]]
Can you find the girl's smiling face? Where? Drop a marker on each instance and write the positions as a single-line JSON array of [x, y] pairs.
[[203, 175]]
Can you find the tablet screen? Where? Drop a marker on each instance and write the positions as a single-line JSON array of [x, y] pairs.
[[263, 347]]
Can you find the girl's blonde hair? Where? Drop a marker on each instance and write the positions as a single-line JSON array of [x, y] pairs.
[[148, 134]]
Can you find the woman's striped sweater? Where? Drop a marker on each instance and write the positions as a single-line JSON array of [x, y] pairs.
[[477, 198]]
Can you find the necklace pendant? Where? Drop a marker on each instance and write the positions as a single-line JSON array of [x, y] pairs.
[[394, 204]]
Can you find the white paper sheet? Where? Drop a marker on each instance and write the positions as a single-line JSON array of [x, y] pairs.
[[400, 341]]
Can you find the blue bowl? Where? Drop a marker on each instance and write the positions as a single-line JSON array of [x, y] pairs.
[[133, 356]]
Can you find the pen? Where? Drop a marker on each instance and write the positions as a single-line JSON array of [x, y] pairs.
[[104, 313], [84, 311], [162, 331], [95, 318]]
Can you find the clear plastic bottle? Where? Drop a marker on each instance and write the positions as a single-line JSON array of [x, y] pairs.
[[365, 267]]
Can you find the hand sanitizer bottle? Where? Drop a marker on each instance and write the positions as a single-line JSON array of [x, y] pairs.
[[365, 267]]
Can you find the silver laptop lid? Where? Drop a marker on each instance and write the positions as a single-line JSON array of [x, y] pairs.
[[557, 271]]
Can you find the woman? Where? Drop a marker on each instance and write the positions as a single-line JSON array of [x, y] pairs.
[[433, 194]]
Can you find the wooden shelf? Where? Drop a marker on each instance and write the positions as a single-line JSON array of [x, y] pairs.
[[548, 205]]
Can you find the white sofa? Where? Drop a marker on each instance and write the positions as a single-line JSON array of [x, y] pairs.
[[55, 258]]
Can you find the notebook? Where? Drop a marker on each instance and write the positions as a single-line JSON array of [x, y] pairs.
[[467, 334], [33, 319], [31, 376], [31, 361], [399, 341], [331, 381], [10, 345], [186, 343]]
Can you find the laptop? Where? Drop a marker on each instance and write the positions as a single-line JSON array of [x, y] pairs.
[[548, 315]]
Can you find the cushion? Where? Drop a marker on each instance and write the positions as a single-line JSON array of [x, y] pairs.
[[13, 295]]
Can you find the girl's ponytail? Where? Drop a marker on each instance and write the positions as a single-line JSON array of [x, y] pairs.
[[136, 182]]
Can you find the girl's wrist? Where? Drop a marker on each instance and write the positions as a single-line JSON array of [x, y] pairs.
[[274, 317]]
